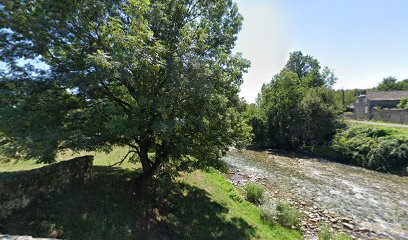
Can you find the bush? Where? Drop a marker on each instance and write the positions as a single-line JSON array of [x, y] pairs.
[[403, 103], [254, 192], [373, 148], [287, 216], [268, 213], [326, 233]]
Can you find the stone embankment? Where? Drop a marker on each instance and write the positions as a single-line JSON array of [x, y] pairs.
[[19, 189]]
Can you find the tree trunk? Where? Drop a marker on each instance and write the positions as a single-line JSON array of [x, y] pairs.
[[144, 181]]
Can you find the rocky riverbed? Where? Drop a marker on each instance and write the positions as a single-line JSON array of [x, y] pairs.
[[362, 203]]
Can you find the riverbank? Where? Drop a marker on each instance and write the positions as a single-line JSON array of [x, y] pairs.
[[360, 202], [197, 205], [383, 149]]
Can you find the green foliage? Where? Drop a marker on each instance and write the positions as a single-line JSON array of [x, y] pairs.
[[403, 104], [269, 213], [392, 84], [254, 192], [322, 151], [197, 206], [326, 233], [373, 148], [350, 96], [297, 107], [287, 216], [254, 118], [319, 116], [220, 191], [281, 213], [122, 73], [308, 68]]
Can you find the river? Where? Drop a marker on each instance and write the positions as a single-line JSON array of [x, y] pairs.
[[368, 204]]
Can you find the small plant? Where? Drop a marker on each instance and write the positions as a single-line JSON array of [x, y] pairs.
[[234, 195], [254, 192], [268, 212], [326, 233], [287, 216]]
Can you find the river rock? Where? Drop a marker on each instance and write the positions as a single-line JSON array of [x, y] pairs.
[[348, 225], [364, 230], [347, 220], [333, 220]]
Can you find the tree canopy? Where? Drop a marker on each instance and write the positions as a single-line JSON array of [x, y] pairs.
[[297, 107], [392, 84], [156, 76]]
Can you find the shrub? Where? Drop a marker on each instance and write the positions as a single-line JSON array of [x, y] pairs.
[[254, 192], [372, 148], [326, 233], [268, 213], [403, 103], [287, 216]]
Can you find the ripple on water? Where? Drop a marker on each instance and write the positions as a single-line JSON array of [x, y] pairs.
[[376, 201]]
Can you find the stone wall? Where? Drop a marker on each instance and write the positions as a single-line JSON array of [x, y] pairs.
[[360, 108], [389, 115], [18, 190]]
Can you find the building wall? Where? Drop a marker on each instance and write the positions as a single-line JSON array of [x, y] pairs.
[[384, 104], [364, 109], [390, 115], [361, 112]]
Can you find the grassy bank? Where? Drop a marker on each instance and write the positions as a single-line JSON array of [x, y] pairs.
[[374, 147], [397, 131], [101, 159], [198, 205]]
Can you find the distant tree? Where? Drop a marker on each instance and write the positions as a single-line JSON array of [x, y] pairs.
[[392, 84], [403, 85], [388, 84], [298, 105], [308, 69], [279, 101], [256, 120], [319, 113], [155, 76], [350, 96]]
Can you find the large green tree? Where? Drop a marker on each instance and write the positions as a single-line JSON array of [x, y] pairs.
[[156, 76], [298, 106]]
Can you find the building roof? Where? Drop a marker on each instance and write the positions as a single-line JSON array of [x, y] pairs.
[[387, 95]]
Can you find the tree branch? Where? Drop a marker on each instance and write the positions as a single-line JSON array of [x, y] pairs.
[[123, 159], [126, 106]]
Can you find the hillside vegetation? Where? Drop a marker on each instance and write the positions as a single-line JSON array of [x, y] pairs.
[[197, 205], [374, 147]]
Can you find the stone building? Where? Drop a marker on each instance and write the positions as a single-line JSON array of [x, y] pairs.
[[381, 106]]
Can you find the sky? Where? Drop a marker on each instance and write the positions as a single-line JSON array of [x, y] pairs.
[[362, 41]]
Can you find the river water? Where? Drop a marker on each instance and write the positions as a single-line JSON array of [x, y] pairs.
[[376, 202]]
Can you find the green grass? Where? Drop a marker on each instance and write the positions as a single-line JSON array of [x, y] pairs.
[[101, 159], [198, 205], [243, 212], [288, 215], [326, 233], [397, 130]]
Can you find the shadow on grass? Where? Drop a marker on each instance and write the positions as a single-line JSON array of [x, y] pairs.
[[108, 209]]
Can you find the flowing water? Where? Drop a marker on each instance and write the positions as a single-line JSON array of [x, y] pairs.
[[374, 201]]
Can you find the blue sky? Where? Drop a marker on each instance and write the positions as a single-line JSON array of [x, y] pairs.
[[363, 41]]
